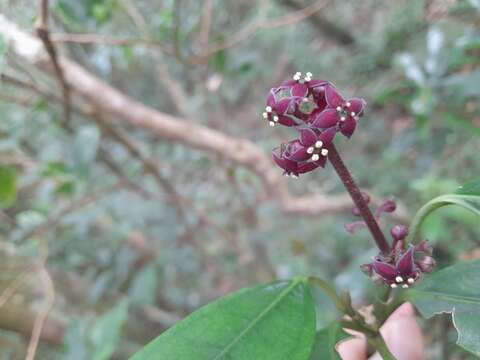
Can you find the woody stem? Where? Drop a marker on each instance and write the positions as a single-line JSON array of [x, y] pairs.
[[358, 199]]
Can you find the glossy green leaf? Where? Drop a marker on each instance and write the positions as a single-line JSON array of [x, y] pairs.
[[8, 186], [470, 188], [326, 341], [455, 290], [270, 322]]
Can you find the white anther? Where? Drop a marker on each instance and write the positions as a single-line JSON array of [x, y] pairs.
[[286, 175], [309, 74], [393, 286], [343, 118], [271, 123], [310, 150], [275, 118], [297, 76], [315, 157], [319, 144], [339, 108], [324, 152], [265, 115], [405, 286], [294, 176], [411, 280], [399, 279], [268, 109], [352, 113], [348, 104]]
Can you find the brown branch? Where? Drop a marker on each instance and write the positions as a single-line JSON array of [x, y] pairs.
[[110, 40], [250, 30], [42, 316], [129, 111], [44, 35], [331, 29]]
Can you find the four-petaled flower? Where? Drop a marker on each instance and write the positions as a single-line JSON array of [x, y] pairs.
[[340, 113]]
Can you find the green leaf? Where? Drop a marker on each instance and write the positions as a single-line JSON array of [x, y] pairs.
[[270, 322], [105, 334], [468, 202], [470, 188], [85, 149], [454, 290], [8, 186], [326, 341]]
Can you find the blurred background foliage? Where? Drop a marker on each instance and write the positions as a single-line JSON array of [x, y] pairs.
[[125, 264]]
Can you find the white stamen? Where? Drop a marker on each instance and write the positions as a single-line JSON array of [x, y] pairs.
[[286, 175], [411, 280], [352, 113], [297, 76], [399, 279], [393, 286], [348, 104], [294, 176], [405, 286], [309, 74], [310, 150], [342, 118], [315, 157], [269, 109], [265, 115], [339, 108], [319, 144], [324, 152], [275, 118], [271, 123]]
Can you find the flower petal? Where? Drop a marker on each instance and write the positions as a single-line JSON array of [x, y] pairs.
[[405, 265], [299, 154], [327, 135], [348, 127], [280, 161], [326, 119], [356, 105], [306, 167], [316, 82], [322, 161], [285, 120], [386, 271], [282, 106], [334, 98], [300, 90], [271, 98], [307, 137]]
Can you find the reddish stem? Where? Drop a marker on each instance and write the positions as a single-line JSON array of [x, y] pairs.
[[358, 199]]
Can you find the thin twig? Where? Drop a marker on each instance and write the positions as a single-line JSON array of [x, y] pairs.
[[44, 35], [49, 291], [253, 28], [16, 284]]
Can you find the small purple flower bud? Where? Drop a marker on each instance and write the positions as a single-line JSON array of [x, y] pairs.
[[356, 211], [426, 264], [388, 206], [399, 232], [354, 226], [424, 246]]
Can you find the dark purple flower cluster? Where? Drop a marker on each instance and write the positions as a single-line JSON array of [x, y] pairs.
[[318, 111], [401, 267]]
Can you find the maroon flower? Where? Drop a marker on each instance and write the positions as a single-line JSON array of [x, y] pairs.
[[339, 112], [400, 267], [294, 102]]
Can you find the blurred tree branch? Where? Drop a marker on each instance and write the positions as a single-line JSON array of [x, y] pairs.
[[332, 31], [44, 34], [131, 112]]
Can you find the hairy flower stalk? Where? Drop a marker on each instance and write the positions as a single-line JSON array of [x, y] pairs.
[[358, 199]]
